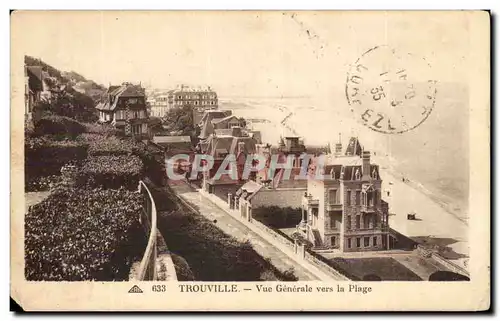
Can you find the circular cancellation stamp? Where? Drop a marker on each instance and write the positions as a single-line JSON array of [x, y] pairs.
[[390, 92]]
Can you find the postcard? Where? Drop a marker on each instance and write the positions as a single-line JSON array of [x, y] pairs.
[[250, 160]]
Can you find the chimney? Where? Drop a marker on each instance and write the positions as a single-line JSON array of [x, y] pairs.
[[338, 149], [338, 146], [366, 165], [236, 131]]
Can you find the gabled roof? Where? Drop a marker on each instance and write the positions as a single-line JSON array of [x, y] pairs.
[[132, 91], [249, 145], [220, 120], [212, 114]]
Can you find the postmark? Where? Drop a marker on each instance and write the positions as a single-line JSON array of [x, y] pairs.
[[389, 91]]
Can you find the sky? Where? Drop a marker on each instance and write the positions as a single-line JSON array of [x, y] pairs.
[[237, 53]]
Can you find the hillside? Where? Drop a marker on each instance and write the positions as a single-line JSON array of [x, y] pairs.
[[74, 96]]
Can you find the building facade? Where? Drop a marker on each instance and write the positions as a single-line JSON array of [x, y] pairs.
[[124, 107], [201, 98], [344, 209], [159, 105]]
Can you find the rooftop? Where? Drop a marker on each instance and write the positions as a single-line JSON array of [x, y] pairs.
[[171, 139]]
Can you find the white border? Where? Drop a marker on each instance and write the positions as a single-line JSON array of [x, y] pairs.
[[146, 4]]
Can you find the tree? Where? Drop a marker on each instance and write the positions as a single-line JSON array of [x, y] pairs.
[[447, 276], [179, 120]]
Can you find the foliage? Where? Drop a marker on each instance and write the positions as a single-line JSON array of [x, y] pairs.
[[155, 125], [182, 268], [53, 72], [105, 130], [300, 239], [111, 172], [41, 183], [45, 157], [100, 145], [67, 102], [59, 127], [447, 276], [180, 120], [278, 217], [78, 234], [153, 159]]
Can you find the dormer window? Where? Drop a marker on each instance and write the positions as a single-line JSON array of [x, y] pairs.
[[374, 174], [357, 175]]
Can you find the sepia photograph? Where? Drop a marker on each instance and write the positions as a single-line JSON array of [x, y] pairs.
[[233, 158]]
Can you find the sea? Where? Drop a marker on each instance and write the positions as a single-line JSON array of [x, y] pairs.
[[434, 156]]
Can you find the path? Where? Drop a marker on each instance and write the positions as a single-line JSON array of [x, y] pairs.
[[235, 228]]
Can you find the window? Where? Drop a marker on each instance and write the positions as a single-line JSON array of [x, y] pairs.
[[349, 243], [333, 196], [136, 129], [348, 222], [366, 221], [374, 241], [132, 100], [333, 240], [358, 197], [358, 242], [333, 221], [366, 241], [358, 220], [348, 200]]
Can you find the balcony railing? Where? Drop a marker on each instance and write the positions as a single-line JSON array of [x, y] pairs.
[[147, 269], [309, 201], [333, 207], [368, 208]]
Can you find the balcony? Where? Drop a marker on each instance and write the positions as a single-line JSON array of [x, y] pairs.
[[368, 208], [310, 201], [334, 207]]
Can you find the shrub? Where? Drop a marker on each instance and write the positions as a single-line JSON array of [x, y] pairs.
[[100, 145], [182, 268], [78, 234], [153, 159], [111, 172], [44, 158], [278, 217], [102, 129], [59, 127]]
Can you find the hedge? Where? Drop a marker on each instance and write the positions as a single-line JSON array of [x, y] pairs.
[[81, 234], [58, 127], [100, 145], [111, 172], [102, 129], [278, 217], [44, 158]]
